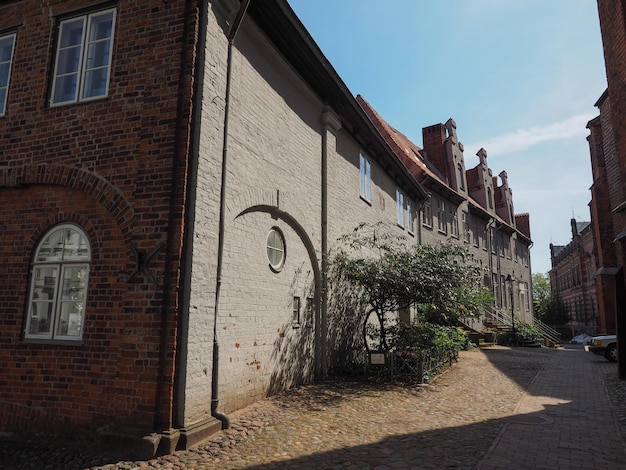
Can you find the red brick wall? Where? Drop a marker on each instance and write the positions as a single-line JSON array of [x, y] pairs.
[[117, 168], [434, 137]]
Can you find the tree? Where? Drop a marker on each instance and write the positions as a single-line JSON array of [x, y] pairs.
[[556, 312], [393, 275], [541, 286]]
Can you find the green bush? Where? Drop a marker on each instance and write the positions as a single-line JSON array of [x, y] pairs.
[[428, 338]]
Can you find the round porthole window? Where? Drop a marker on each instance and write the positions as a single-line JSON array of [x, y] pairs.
[[275, 247]]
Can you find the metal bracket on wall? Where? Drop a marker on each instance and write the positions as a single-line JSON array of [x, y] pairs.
[[143, 263]]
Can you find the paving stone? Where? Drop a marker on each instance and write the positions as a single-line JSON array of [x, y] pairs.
[[497, 408]]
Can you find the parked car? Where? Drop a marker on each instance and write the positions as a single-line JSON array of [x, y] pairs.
[[604, 346], [581, 339]]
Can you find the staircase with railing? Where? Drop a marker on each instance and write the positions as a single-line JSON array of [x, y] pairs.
[[501, 319]]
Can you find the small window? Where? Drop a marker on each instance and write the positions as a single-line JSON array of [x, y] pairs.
[[467, 234], [83, 62], [7, 44], [366, 178], [58, 286], [275, 247], [409, 217], [400, 208], [489, 198], [428, 213], [454, 222], [295, 318], [442, 223]]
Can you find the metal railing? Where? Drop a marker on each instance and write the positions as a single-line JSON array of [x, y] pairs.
[[421, 364], [547, 333]]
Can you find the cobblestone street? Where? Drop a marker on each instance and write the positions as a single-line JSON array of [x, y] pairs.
[[463, 420]]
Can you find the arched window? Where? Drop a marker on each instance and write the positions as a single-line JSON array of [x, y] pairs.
[[58, 285], [489, 198]]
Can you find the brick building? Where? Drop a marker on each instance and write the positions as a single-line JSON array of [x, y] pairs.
[[173, 175], [608, 149], [572, 277], [151, 171]]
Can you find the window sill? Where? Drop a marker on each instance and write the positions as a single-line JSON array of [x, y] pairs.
[[53, 342], [52, 105], [364, 199]]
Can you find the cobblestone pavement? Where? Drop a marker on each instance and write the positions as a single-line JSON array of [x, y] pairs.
[[465, 419]]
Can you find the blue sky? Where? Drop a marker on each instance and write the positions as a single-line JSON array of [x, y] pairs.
[[520, 78]]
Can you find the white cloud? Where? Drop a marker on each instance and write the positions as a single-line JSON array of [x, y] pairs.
[[523, 139]]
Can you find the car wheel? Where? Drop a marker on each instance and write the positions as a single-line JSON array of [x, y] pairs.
[[611, 353]]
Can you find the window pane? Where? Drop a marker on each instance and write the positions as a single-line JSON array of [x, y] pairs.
[[70, 319], [41, 318], [4, 73], [6, 48], [95, 83], [42, 300], [64, 244], [101, 26], [275, 248], [71, 33], [74, 283], [65, 89], [98, 54], [68, 61]]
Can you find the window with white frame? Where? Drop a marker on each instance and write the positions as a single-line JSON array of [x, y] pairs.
[[476, 234], [454, 222], [427, 211], [442, 223], [409, 217], [400, 208], [83, 58], [466, 227], [7, 45], [58, 285], [366, 178]]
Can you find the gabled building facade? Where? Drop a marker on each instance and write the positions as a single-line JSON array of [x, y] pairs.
[[468, 206], [572, 278]]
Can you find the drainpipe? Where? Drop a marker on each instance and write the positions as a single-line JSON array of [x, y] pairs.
[[220, 244], [190, 216]]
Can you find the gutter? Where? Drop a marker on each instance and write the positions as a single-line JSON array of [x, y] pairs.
[[234, 28]]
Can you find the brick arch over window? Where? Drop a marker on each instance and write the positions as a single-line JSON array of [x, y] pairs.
[[80, 179]]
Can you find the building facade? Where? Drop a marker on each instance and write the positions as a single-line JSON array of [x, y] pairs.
[[572, 278], [173, 176], [468, 206], [608, 148]]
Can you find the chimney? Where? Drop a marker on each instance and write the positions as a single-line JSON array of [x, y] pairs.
[[434, 138]]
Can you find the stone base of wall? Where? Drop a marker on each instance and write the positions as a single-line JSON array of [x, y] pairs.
[[198, 432]]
